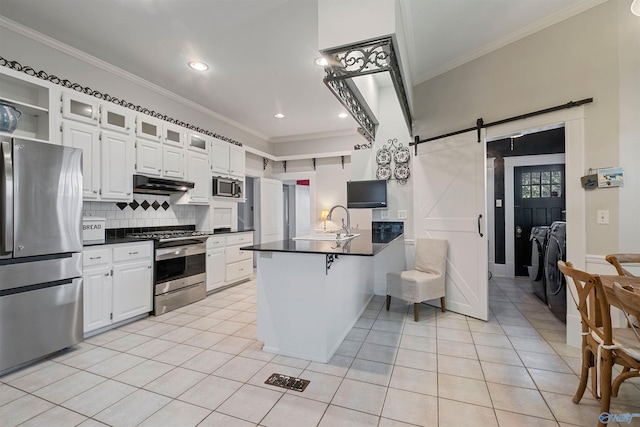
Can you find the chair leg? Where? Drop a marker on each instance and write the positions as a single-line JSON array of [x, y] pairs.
[[442, 306], [584, 376], [605, 380], [416, 311], [388, 301]]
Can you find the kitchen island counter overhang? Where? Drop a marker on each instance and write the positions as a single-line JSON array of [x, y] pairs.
[[311, 293]]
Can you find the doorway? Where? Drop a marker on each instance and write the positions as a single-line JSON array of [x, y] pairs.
[[538, 201], [297, 208], [528, 148]]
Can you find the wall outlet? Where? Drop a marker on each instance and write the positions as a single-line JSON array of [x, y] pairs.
[[384, 214], [402, 214], [602, 217]]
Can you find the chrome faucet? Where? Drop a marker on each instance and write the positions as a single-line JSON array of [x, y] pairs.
[[347, 227]]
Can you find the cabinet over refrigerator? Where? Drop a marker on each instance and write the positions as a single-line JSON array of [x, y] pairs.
[[40, 250]]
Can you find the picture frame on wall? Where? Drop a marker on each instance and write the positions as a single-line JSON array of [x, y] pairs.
[[610, 177]]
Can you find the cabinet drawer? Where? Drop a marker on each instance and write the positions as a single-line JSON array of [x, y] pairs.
[[96, 257], [244, 239], [130, 252], [234, 254], [239, 270], [216, 242]]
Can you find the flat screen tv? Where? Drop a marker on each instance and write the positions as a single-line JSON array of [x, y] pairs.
[[367, 194]]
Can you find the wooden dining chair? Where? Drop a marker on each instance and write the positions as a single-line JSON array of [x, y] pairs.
[[617, 259], [602, 345], [630, 338]]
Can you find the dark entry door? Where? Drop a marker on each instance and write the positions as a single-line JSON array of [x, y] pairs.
[[538, 200]]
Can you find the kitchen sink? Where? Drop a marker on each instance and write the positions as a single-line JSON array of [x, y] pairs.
[[326, 237]]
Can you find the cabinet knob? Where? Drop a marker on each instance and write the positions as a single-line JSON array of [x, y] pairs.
[[106, 274], [129, 193], [148, 266], [95, 191]]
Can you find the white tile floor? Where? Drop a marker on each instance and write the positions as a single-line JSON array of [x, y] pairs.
[[201, 365]]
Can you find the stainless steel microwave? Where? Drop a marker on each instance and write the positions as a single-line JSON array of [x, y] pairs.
[[225, 187]]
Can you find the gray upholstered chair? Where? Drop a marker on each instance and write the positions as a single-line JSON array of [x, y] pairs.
[[426, 281]]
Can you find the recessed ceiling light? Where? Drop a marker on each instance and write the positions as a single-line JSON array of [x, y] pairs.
[[322, 61], [343, 115], [198, 66], [278, 116]]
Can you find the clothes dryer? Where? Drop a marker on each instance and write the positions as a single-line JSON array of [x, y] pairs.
[[555, 282], [538, 240]]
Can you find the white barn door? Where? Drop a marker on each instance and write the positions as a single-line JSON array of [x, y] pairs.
[[270, 210], [449, 203]]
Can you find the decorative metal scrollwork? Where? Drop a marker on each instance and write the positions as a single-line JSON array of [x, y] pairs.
[[14, 65], [369, 57], [330, 259], [363, 146], [399, 156]]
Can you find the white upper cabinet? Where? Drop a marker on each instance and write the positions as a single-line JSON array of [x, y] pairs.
[[236, 161], [79, 107], [173, 134], [85, 137], [227, 159], [33, 101], [115, 118], [148, 158], [148, 127], [220, 157], [173, 162], [198, 142], [117, 166], [198, 173]]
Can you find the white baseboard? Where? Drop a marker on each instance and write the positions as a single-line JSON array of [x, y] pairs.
[[497, 270]]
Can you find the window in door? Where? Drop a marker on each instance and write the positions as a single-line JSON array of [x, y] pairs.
[[541, 184]]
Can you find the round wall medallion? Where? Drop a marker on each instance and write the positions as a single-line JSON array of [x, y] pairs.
[[383, 156], [401, 172], [383, 172], [402, 155]]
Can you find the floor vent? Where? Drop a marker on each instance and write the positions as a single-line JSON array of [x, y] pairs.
[[285, 381]]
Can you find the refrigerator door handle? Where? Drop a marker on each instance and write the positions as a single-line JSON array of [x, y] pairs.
[[7, 194]]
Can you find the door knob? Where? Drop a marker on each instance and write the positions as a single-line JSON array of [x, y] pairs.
[[518, 231]]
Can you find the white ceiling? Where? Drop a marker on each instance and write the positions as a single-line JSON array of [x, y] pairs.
[[262, 52]]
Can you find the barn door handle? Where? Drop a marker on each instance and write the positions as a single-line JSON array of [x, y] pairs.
[[479, 218]]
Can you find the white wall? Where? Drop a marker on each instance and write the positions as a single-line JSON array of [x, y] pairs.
[[572, 60]]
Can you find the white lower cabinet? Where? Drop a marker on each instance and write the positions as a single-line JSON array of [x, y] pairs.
[[118, 283], [239, 263], [216, 266], [226, 263]]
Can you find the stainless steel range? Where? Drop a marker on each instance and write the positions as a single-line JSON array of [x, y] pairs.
[[180, 268]]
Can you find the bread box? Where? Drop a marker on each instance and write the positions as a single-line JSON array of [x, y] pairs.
[[93, 229]]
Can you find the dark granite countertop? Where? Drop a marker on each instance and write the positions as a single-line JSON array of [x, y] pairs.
[[366, 244], [113, 240], [243, 230]]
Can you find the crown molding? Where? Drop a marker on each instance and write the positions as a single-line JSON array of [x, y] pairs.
[[105, 66], [511, 38]]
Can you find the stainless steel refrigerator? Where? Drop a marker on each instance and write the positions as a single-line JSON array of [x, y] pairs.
[[40, 250]]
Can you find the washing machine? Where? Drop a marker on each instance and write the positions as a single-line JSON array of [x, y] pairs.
[[538, 240], [556, 285]]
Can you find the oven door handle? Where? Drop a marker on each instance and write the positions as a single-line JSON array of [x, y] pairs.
[[180, 251]]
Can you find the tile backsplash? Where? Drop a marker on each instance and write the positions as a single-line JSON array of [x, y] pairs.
[[146, 210]]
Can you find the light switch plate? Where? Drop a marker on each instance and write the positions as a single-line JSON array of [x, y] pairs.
[[498, 203], [384, 214], [603, 217], [402, 214]]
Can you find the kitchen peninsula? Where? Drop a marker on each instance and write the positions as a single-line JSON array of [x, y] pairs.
[[311, 292]]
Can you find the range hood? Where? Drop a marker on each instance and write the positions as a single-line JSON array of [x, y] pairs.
[[153, 185]]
